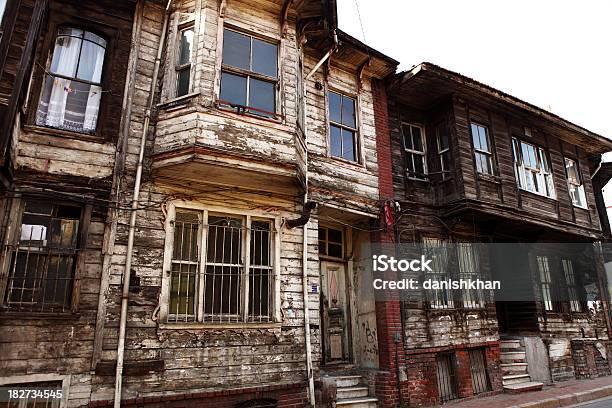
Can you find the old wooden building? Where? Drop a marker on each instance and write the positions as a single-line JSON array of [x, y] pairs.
[[190, 190]]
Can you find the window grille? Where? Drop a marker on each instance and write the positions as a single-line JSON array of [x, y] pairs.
[[414, 147], [447, 381], [234, 281], [478, 368], [546, 283], [342, 126], [469, 268], [42, 262], [47, 394], [483, 152], [72, 87], [575, 301], [574, 183], [533, 172], [437, 251]]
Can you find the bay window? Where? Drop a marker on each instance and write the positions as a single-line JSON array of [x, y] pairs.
[[574, 183], [532, 169]]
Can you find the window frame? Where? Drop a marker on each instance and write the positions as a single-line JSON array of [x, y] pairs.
[[247, 215], [446, 172], [408, 152], [16, 212], [477, 297], [248, 74], [479, 151], [179, 68], [31, 379], [578, 184], [540, 171], [326, 241], [573, 287], [355, 131]]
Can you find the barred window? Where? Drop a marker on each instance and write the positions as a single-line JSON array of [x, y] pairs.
[[483, 152], [573, 290], [546, 283], [41, 263], [469, 268], [234, 281], [48, 394], [436, 250], [414, 146]]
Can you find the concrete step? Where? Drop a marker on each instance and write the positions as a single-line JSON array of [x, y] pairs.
[[515, 379], [345, 381], [352, 392], [512, 357], [523, 387], [362, 402], [510, 344], [514, 368]]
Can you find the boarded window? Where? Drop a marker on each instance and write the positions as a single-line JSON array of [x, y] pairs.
[[483, 152], [42, 262], [447, 381], [249, 75], [72, 85], [415, 152], [342, 126], [234, 280]]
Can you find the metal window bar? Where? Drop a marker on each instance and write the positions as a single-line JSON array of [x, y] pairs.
[[42, 263], [469, 268], [36, 398], [572, 289], [435, 250], [261, 273], [478, 368], [545, 282], [447, 382]]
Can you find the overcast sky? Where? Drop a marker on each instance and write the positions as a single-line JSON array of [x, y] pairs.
[[556, 54]]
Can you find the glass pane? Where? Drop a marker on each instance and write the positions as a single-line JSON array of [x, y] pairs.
[[348, 145], [335, 107], [417, 141], [260, 243], [233, 89], [186, 226], [236, 49], [484, 139], [419, 166], [185, 46], [335, 235], [572, 171], [182, 290], [38, 207], [443, 137], [410, 163], [74, 32], [224, 240], [91, 62], [475, 136], [65, 56], [348, 112], [261, 95], [335, 250], [322, 233], [64, 233], [335, 140], [407, 137], [264, 58], [182, 82], [95, 38], [35, 230]]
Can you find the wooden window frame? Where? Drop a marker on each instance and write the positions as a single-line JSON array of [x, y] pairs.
[[478, 151], [325, 253], [248, 74], [578, 184], [11, 239], [205, 210], [543, 169], [443, 170], [575, 301], [355, 131], [179, 68], [59, 18], [408, 152]]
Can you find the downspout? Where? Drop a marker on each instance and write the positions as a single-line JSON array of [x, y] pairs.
[[130, 245]]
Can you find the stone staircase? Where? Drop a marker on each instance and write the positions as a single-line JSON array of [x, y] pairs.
[[515, 370], [352, 393]]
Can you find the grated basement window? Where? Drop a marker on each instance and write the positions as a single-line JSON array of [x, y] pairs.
[[33, 395], [41, 264], [447, 381], [480, 378]]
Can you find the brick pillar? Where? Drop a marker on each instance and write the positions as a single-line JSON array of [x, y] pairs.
[[464, 374], [388, 314]]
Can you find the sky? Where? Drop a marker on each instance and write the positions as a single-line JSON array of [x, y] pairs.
[[555, 54]]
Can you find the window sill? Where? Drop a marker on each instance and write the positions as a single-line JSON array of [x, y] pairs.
[[585, 208], [278, 119], [218, 326], [64, 133], [25, 315], [346, 162], [537, 194], [490, 178], [422, 180], [178, 102]]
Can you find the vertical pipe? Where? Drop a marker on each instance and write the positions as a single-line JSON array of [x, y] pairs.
[[130, 245]]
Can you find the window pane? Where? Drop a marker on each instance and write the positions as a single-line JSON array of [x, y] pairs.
[[91, 62], [233, 89], [335, 107], [95, 38], [65, 56], [475, 136], [572, 171], [348, 144], [484, 139], [417, 141], [224, 240], [348, 112], [260, 243], [182, 290], [236, 49], [334, 250], [407, 135], [443, 137], [335, 140], [261, 95], [182, 82], [185, 46], [335, 235], [264, 58]]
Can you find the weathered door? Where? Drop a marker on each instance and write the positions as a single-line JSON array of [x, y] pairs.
[[335, 312]]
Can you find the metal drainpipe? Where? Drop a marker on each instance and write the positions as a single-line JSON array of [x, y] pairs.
[[130, 245]]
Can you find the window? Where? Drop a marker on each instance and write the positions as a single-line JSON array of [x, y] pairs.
[[342, 126], [478, 369], [331, 242], [574, 183], [444, 152], [446, 376], [575, 300], [469, 268], [532, 169], [42, 261], [546, 283], [234, 281], [249, 74], [184, 60], [436, 250], [414, 146], [483, 152], [2, 8], [72, 84]]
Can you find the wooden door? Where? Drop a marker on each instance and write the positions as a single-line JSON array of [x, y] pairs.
[[335, 313]]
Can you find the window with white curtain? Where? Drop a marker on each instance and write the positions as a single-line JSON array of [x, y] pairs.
[[574, 183], [72, 86], [533, 172]]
